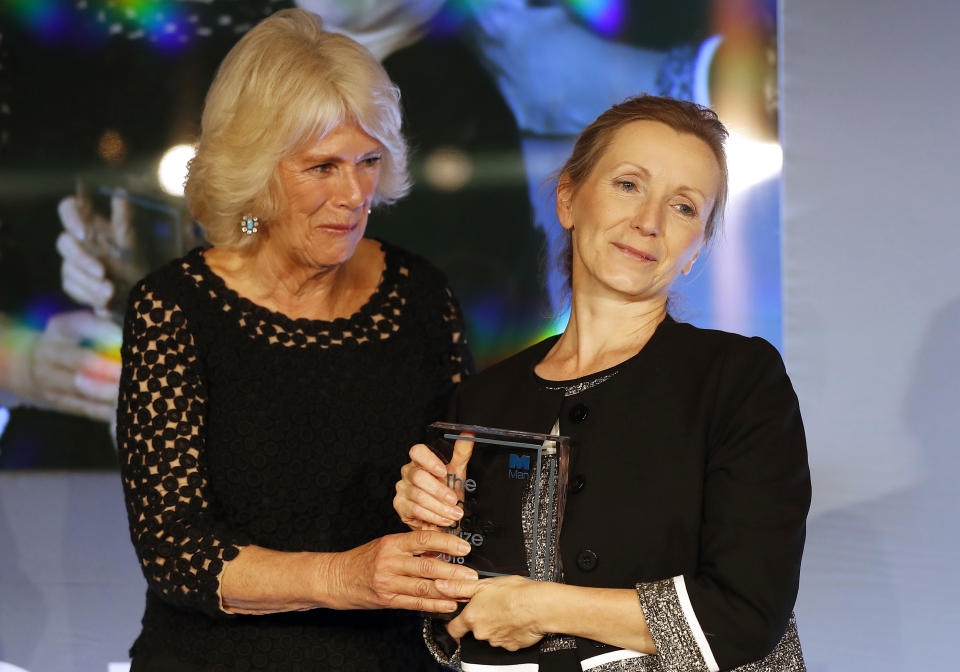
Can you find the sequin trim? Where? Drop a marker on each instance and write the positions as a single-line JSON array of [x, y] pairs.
[[577, 388], [677, 649], [452, 662]]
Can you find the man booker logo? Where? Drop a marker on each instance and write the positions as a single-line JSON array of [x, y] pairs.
[[519, 467]]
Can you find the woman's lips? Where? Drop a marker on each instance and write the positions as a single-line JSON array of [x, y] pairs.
[[339, 228], [635, 253]]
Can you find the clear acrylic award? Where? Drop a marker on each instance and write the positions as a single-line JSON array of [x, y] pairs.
[[513, 496]]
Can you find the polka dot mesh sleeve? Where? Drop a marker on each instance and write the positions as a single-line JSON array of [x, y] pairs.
[[458, 353], [179, 541]]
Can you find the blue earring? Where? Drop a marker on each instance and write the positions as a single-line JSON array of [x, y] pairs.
[[249, 224]]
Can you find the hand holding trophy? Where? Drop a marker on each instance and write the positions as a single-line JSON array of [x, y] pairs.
[[511, 486], [503, 491], [425, 498]]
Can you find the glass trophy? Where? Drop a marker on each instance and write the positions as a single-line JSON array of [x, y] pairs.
[[160, 229], [513, 496]]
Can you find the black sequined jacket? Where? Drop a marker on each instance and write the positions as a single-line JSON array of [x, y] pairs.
[[689, 481], [238, 425]]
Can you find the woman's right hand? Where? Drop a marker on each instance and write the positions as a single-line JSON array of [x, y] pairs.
[[85, 245], [398, 572], [424, 500]]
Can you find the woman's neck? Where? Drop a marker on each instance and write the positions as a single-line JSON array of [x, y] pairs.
[[277, 280], [603, 332]]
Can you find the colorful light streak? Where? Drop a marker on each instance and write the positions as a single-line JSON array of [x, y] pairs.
[[48, 20], [20, 333], [16, 341], [40, 309], [454, 14], [163, 23], [493, 336], [604, 16]]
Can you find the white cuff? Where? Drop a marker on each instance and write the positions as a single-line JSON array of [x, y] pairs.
[[701, 639]]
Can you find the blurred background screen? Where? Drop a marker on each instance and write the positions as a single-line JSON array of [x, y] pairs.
[[101, 101]]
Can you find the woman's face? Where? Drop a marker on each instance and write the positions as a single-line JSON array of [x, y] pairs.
[[639, 217], [329, 185]]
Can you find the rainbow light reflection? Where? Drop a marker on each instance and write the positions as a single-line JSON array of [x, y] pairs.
[[163, 23], [604, 16], [493, 336], [49, 20], [454, 14]]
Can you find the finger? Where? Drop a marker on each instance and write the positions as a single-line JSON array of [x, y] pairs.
[[83, 325], [59, 371], [423, 490], [410, 510], [416, 525], [121, 216], [99, 369], [425, 567], [459, 589], [74, 253], [423, 604], [458, 627], [98, 388], [412, 587], [415, 515], [422, 456], [58, 355], [423, 541], [84, 288], [69, 210], [462, 450], [52, 380], [435, 488], [71, 404], [96, 328]]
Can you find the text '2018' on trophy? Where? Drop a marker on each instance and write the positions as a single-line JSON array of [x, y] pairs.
[[513, 495]]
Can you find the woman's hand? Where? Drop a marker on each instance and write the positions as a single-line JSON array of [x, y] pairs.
[[424, 500], [504, 611], [86, 244], [397, 572], [71, 366]]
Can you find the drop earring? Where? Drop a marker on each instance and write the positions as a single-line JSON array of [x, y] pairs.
[[249, 224]]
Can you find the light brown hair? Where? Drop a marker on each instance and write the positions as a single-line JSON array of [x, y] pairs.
[[680, 115]]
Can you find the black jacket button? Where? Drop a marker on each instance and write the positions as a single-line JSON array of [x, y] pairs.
[[587, 560], [578, 413], [576, 485]]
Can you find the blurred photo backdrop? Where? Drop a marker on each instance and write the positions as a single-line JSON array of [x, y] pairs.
[[101, 104], [846, 265]]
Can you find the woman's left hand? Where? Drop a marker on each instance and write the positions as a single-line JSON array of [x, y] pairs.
[[503, 611]]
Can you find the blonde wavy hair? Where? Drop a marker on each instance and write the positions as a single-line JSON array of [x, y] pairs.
[[286, 82]]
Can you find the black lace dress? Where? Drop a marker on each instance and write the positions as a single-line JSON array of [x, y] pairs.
[[238, 425]]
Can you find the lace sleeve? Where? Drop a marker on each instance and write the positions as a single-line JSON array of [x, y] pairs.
[[181, 544], [458, 351]]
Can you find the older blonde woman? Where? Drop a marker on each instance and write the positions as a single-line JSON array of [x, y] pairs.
[[272, 382], [684, 524]]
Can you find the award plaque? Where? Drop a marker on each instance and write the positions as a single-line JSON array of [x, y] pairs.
[[513, 495]]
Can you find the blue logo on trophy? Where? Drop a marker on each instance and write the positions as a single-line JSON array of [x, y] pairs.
[[519, 467]]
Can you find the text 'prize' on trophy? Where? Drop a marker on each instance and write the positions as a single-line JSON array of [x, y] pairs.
[[513, 493]]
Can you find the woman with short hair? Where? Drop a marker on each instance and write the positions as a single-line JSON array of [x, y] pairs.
[[684, 523], [272, 382]]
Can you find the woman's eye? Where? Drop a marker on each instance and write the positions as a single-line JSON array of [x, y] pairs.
[[322, 168], [626, 185], [371, 161], [685, 209]]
